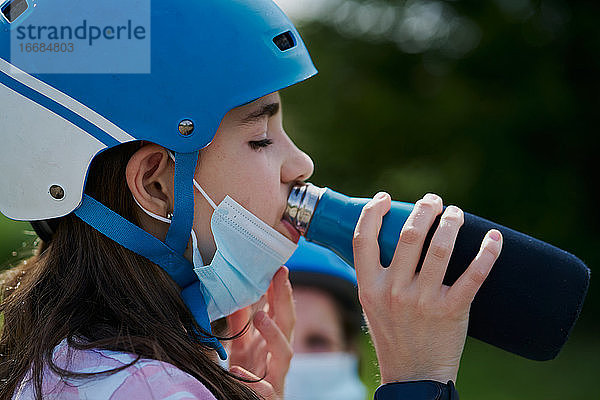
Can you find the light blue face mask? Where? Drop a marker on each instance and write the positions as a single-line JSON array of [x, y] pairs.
[[248, 254], [324, 376]]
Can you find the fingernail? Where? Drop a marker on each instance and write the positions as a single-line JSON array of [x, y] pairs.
[[454, 210], [495, 236], [380, 195], [260, 318], [431, 196]]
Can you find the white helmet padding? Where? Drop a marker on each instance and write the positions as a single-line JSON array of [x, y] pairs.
[[52, 140], [46, 158]]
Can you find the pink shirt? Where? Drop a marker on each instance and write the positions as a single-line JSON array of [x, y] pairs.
[[146, 379]]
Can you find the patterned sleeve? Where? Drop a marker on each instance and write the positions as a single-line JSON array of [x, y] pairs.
[[161, 381]]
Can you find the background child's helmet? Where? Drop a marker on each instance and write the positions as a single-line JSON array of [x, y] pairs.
[[315, 266]]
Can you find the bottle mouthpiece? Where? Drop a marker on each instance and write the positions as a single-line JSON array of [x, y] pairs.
[[301, 205]]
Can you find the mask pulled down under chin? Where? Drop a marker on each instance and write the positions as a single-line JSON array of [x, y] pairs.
[[248, 254], [324, 376]]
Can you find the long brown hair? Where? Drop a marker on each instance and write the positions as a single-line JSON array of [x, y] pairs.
[[83, 285]]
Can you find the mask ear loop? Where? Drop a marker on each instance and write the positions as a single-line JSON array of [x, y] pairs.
[[203, 193], [196, 252], [150, 213]]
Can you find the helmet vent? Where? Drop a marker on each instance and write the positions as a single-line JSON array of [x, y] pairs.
[[285, 41], [14, 9]]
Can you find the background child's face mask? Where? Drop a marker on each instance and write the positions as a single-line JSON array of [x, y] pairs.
[[320, 376]]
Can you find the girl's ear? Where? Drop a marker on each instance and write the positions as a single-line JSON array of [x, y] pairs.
[[149, 176]]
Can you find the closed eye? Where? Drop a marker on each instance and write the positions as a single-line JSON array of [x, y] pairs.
[[259, 144]]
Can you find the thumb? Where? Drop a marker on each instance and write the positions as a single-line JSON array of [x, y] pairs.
[[260, 386]]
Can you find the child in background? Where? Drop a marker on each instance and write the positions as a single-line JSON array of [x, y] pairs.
[[328, 325]]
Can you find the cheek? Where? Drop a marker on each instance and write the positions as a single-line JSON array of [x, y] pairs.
[[256, 185], [250, 177]]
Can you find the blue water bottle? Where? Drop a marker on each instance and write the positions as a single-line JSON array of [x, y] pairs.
[[527, 305]]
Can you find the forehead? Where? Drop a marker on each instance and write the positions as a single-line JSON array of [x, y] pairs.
[[316, 310], [255, 105], [244, 117]]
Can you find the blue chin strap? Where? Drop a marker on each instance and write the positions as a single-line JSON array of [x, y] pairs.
[[168, 254]]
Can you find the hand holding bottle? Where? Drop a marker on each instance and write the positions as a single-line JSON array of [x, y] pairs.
[[418, 325]]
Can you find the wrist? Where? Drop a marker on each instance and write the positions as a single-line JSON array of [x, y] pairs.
[[391, 376]]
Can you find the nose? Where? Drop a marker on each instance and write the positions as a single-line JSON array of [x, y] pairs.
[[297, 166]]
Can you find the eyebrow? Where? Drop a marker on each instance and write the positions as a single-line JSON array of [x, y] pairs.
[[266, 110]]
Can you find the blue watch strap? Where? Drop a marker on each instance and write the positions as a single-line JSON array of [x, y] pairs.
[[417, 390]]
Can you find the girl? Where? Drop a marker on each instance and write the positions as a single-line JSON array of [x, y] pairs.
[[159, 198]]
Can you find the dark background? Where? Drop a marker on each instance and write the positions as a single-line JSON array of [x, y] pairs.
[[498, 114]]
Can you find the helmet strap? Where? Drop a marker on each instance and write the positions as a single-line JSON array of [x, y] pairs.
[[178, 235], [169, 254]]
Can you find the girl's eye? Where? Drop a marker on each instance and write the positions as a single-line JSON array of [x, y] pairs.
[[259, 144]]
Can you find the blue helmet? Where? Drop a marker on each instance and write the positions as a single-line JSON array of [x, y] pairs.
[[312, 258], [205, 58], [201, 59]]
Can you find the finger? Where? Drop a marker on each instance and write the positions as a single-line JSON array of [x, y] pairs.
[[366, 232], [262, 387], [279, 348], [261, 304], [413, 234], [281, 302], [238, 320], [255, 356], [256, 350], [237, 323], [465, 288], [439, 252], [269, 309], [260, 357]]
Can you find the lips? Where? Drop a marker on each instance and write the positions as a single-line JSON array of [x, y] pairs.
[[294, 234]]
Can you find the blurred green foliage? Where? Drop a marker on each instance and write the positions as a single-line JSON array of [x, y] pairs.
[[15, 240], [492, 374]]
